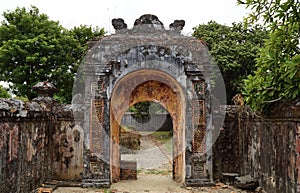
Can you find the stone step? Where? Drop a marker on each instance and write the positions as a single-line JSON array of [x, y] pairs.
[[95, 185]]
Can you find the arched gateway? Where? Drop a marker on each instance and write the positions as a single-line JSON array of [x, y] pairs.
[[145, 63]]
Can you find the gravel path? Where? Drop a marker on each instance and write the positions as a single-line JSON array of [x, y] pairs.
[[151, 156]]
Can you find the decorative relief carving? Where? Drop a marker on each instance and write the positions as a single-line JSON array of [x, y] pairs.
[[199, 87], [98, 105], [199, 142], [97, 88], [199, 166], [199, 128], [96, 125], [97, 167]]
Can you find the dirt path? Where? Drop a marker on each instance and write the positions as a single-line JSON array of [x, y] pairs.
[[152, 184], [154, 176]]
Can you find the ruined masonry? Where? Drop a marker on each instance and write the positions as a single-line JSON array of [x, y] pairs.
[[43, 140]]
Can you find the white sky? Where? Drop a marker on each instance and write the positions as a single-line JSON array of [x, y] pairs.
[[72, 13]]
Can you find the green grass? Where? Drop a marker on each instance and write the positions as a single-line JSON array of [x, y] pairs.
[[156, 172]]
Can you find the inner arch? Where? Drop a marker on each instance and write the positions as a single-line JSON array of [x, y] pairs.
[[148, 85]]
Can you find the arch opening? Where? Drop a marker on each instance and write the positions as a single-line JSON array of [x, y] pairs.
[[146, 139], [155, 86]]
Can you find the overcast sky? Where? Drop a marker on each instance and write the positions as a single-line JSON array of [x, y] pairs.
[[72, 13]]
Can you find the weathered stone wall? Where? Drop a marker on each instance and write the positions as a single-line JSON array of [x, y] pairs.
[[38, 142], [270, 148], [226, 149], [23, 160], [66, 151], [266, 147]]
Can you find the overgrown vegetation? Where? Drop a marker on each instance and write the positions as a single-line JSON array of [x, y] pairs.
[[278, 66]]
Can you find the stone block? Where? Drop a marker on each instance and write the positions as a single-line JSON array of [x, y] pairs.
[[228, 178], [130, 140], [246, 182]]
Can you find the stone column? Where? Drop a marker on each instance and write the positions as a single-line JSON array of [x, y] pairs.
[[198, 164], [96, 167]]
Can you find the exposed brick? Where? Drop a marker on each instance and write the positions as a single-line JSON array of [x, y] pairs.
[[128, 170]]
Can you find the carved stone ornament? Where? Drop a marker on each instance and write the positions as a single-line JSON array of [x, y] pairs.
[[148, 19], [119, 24], [177, 25], [44, 89]]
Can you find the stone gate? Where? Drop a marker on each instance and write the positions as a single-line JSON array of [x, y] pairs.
[[147, 63]]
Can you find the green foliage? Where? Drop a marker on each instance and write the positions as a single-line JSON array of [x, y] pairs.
[[278, 65], [278, 73], [234, 50], [34, 48], [273, 13], [4, 93], [143, 110], [85, 33]]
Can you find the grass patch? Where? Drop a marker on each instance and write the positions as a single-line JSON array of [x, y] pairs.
[[156, 172]]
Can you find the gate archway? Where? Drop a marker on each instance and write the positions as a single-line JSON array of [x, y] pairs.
[[147, 63], [149, 85]]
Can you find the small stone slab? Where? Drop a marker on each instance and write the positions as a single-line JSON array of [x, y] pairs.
[[228, 178], [246, 183]]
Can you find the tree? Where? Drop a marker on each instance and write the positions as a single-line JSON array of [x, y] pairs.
[[34, 48], [278, 66], [144, 110], [85, 33], [234, 49]]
